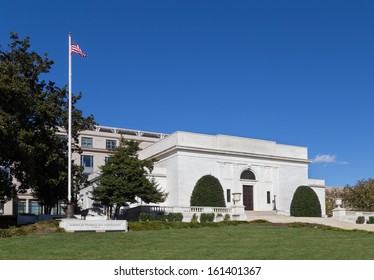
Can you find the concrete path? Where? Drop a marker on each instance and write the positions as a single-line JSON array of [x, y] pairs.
[[333, 222]]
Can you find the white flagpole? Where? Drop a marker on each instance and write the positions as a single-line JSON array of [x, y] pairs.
[[69, 126]]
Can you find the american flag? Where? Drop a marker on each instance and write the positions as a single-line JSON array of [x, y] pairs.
[[76, 49]]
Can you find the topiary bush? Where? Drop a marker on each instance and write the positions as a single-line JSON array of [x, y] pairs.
[[371, 220], [305, 203], [360, 220], [174, 217], [206, 217], [161, 216], [151, 217], [208, 191], [194, 218], [143, 217]]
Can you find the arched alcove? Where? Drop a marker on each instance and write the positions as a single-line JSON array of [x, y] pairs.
[[247, 175]]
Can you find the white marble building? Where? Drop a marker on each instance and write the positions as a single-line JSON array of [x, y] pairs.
[[264, 172]]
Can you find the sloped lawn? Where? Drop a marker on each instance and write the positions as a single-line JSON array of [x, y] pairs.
[[240, 242]]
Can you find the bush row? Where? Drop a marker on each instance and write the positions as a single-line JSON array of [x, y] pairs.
[[160, 225], [209, 217], [178, 217], [361, 220], [171, 217]]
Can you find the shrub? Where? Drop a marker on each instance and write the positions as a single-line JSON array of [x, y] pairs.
[[227, 217], [143, 217], [40, 227], [5, 233], [371, 220], [360, 220], [174, 217], [305, 203], [208, 192], [151, 216], [157, 225], [161, 216], [259, 221], [194, 218], [206, 217]]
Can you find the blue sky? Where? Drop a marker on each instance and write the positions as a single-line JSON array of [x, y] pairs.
[[295, 72]]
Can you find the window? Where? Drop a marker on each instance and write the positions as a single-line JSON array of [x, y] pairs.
[[111, 144], [34, 207], [107, 159], [268, 197], [228, 195], [247, 175], [86, 142], [87, 163], [21, 206]]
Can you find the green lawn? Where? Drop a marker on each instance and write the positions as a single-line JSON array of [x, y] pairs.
[[261, 242]]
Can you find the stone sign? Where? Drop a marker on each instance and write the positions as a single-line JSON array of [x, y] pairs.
[[73, 225]]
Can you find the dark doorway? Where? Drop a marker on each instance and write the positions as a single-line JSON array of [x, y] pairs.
[[248, 197]]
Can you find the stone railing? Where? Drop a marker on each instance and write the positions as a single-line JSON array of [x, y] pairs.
[[192, 209], [350, 216], [236, 213]]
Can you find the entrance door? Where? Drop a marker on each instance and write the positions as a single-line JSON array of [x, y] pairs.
[[248, 197]]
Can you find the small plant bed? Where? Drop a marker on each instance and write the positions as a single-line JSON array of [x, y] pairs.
[[260, 221], [46, 227], [162, 225]]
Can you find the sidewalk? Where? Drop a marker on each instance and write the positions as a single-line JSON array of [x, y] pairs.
[[333, 222]]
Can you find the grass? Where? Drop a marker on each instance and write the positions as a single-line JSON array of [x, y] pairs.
[[241, 242]]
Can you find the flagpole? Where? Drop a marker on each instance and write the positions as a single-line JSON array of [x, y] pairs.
[[69, 209]]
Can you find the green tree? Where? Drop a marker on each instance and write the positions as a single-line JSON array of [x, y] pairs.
[[305, 203], [33, 118], [208, 191], [360, 196], [124, 178]]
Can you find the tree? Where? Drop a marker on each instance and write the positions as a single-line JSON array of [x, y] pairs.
[[124, 178], [305, 203], [33, 118], [360, 196], [208, 191]]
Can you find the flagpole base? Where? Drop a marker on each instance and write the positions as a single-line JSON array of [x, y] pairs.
[[69, 211]]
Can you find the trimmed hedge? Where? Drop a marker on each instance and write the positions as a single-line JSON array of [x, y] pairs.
[[171, 217], [208, 191], [206, 217], [360, 220], [305, 203], [174, 217]]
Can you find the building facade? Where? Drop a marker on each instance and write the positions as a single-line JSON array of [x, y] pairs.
[[264, 174], [97, 145]]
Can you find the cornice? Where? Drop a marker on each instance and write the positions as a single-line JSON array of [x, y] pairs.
[[176, 148]]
